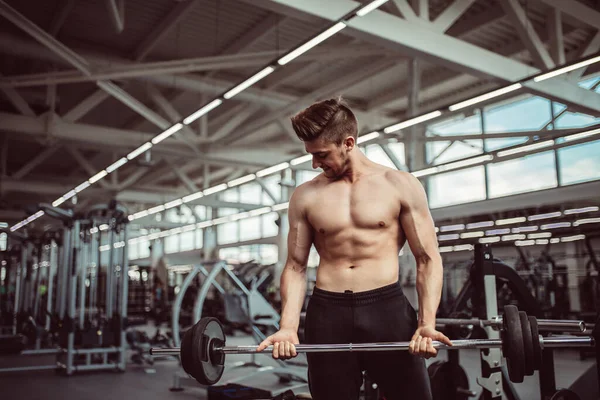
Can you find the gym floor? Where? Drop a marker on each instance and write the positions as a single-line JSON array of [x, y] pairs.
[[153, 382]]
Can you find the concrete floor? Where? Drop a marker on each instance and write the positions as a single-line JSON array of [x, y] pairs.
[[153, 382]]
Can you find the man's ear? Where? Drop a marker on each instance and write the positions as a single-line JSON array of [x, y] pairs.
[[349, 143]]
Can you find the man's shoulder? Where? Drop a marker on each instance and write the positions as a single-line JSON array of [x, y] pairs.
[[399, 178]]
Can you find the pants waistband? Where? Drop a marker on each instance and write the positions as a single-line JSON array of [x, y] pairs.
[[358, 298]]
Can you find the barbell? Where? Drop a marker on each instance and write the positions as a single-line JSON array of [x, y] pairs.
[[203, 348]]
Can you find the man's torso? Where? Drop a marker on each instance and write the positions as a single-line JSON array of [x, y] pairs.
[[356, 231]]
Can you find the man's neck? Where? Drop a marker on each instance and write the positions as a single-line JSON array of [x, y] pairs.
[[358, 166]]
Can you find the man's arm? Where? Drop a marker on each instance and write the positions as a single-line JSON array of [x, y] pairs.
[[293, 277], [418, 226]]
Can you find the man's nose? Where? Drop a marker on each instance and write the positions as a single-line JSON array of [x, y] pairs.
[[315, 165]]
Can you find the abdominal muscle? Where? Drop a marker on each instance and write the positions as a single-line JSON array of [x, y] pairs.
[[347, 264]]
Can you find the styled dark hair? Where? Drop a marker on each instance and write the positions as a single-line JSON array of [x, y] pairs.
[[331, 120]]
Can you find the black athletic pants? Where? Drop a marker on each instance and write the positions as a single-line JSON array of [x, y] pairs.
[[379, 315]]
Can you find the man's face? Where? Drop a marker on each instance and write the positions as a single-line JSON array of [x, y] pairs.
[[330, 157]]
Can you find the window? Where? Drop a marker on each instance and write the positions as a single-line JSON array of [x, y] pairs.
[[228, 233], [132, 251], [199, 238], [200, 211], [533, 172], [456, 126], [376, 154], [223, 211], [269, 253], [398, 150], [579, 163], [143, 249], [495, 144], [231, 195], [3, 241], [172, 243], [456, 187], [305, 176], [250, 193], [529, 114], [575, 120], [250, 228], [269, 228], [272, 183], [456, 151], [187, 241]]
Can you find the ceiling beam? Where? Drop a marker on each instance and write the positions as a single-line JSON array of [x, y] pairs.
[[422, 42], [527, 33], [180, 10], [577, 10], [451, 14]]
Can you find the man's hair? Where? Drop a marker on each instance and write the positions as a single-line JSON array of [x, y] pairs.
[[331, 120]]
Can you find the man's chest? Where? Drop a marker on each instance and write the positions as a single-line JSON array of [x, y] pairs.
[[366, 206]]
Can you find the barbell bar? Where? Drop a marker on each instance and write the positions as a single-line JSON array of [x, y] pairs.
[[203, 348], [545, 342], [547, 325]]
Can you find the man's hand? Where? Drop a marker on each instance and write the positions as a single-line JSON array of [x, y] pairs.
[[420, 343], [283, 342]]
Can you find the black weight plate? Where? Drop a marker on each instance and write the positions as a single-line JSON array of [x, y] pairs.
[[565, 394], [446, 378], [207, 369], [537, 347], [185, 352], [512, 344], [527, 343]]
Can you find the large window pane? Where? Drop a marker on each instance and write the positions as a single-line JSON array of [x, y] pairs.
[[201, 211], [231, 195], [227, 233], [376, 154], [144, 249], [199, 238], [250, 228], [398, 150], [226, 211], [269, 228], [524, 115], [305, 176], [268, 253], [575, 120], [272, 183], [187, 241], [456, 151], [456, 126], [521, 175], [457, 187], [579, 163], [133, 251], [251, 193], [172, 244], [495, 144]]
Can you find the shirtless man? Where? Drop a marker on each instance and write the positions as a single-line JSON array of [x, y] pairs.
[[358, 214]]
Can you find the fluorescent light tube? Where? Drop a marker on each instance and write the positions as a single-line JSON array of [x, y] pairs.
[[139, 150], [370, 7], [204, 110], [566, 69], [159, 138], [484, 97], [248, 82], [412, 121], [311, 43]]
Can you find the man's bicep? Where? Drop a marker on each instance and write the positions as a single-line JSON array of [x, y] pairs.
[[417, 223], [300, 237]]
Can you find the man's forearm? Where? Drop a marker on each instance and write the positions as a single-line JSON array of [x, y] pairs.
[[293, 291], [429, 288]]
